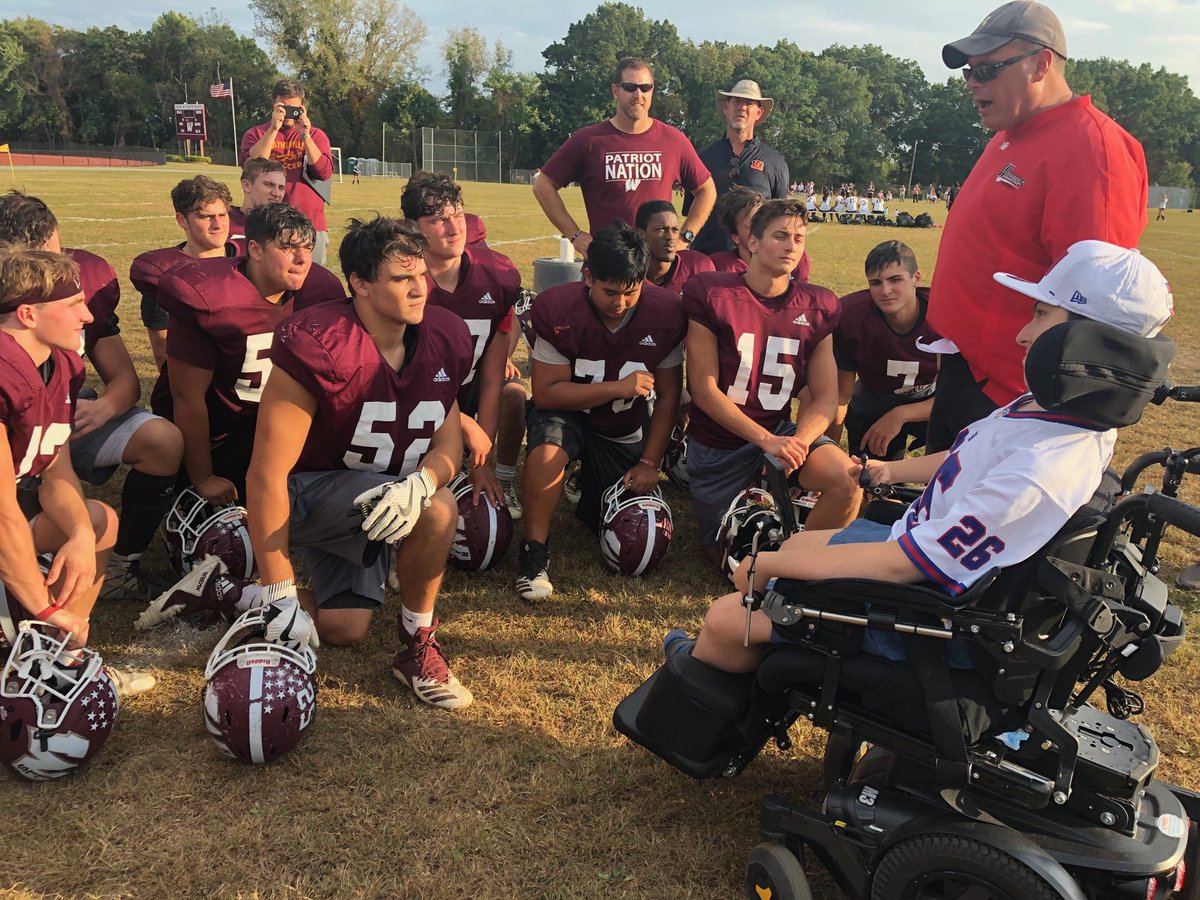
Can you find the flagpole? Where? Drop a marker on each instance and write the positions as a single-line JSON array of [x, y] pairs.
[[233, 112]]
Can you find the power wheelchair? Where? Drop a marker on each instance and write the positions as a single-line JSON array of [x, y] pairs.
[[1001, 781]]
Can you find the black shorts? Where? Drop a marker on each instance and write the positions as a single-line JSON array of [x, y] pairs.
[[153, 315], [958, 401], [604, 461], [911, 436]]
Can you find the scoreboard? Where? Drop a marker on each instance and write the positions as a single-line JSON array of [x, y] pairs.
[[189, 122]]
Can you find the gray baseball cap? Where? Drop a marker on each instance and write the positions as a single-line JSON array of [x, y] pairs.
[[1025, 19]]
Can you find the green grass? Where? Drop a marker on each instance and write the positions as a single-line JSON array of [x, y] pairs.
[[529, 792]]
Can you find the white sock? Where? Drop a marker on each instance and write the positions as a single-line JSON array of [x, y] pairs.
[[412, 621], [505, 474]]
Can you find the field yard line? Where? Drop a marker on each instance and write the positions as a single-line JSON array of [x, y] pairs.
[[120, 219], [1171, 252], [532, 240]]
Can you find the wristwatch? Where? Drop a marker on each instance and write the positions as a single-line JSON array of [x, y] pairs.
[[688, 235]]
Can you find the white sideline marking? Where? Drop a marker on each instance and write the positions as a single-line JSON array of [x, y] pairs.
[[1170, 252]]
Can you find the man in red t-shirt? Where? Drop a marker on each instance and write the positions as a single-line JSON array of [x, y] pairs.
[[622, 162], [1056, 171], [304, 151]]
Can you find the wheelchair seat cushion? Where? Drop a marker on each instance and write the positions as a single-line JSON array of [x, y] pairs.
[[886, 691]]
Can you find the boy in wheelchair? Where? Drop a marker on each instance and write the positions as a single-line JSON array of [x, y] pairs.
[[1002, 491]]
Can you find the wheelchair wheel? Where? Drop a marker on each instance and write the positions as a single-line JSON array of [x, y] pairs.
[[774, 873], [949, 866]]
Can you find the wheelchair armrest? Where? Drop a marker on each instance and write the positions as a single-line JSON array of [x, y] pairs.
[[917, 597]]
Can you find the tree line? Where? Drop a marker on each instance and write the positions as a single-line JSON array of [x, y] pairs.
[[844, 114]]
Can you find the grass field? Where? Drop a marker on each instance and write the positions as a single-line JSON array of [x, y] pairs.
[[527, 793]]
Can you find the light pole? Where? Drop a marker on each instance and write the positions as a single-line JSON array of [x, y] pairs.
[[383, 150], [912, 167]]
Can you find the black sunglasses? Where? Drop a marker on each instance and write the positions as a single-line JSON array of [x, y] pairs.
[[734, 165], [988, 71], [629, 87]]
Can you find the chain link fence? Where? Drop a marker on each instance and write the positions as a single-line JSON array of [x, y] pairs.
[[465, 155], [1177, 197]]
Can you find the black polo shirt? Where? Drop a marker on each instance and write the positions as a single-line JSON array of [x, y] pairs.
[[759, 167]]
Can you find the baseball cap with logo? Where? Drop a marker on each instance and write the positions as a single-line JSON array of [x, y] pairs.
[[1024, 19], [1104, 283]]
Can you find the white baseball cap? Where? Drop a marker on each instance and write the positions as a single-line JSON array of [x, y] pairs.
[[1105, 283]]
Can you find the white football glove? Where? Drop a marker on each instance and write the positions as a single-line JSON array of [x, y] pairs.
[[287, 622], [390, 511]]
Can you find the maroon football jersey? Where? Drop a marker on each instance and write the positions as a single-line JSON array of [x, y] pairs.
[[763, 346], [488, 286], [148, 269], [36, 414], [687, 263], [237, 229], [476, 231], [729, 261], [369, 416], [886, 362], [563, 316], [103, 292], [220, 322]]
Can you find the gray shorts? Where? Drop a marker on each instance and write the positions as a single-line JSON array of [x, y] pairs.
[[716, 476], [95, 456], [327, 524]]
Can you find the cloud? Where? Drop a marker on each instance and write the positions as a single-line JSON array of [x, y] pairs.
[[1071, 25]]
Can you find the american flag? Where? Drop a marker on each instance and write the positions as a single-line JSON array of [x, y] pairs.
[[223, 89]]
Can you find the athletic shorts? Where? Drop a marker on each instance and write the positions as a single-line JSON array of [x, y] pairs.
[[716, 476], [888, 644], [909, 437], [605, 462], [96, 455], [347, 569], [958, 401]]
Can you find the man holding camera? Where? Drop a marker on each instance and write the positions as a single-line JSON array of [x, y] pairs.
[[302, 148]]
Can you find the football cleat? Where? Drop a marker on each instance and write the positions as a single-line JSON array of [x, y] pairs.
[[207, 587], [421, 665], [533, 576]]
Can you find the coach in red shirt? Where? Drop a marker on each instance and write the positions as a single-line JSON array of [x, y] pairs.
[[302, 148], [623, 162], [1056, 171]]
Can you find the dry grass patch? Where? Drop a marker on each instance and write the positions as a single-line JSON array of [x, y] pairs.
[[529, 792]]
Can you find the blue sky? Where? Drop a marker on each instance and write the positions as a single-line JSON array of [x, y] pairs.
[[1160, 32]]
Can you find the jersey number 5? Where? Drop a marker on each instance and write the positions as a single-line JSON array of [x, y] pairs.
[[256, 367]]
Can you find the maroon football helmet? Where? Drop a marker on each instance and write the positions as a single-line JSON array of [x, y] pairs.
[[54, 717], [674, 463], [751, 522], [636, 530], [483, 533], [194, 528], [260, 697]]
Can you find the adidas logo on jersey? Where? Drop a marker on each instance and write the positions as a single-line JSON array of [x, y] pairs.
[[441, 376], [800, 320], [648, 341], [487, 298]]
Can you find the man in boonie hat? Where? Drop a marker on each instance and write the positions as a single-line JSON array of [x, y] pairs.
[[740, 158]]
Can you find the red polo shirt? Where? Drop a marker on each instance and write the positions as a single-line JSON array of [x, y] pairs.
[[1068, 174]]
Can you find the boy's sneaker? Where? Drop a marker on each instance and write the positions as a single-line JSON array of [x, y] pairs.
[[513, 502], [124, 579], [573, 486], [533, 578], [207, 587], [677, 641], [422, 666], [129, 684]]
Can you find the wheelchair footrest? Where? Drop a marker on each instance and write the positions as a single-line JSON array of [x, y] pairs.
[[701, 720]]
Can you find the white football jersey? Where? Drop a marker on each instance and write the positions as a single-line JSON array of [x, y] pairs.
[[1010, 482]]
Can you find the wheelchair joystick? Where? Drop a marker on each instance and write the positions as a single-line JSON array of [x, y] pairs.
[[882, 491], [750, 600]]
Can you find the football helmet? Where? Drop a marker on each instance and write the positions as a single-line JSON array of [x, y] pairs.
[[57, 707], [674, 464], [194, 529], [483, 533], [752, 520], [260, 697], [635, 531], [523, 310]]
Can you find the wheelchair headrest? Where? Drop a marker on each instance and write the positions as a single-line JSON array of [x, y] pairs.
[[1096, 372]]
